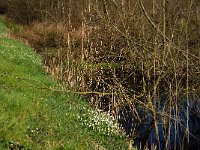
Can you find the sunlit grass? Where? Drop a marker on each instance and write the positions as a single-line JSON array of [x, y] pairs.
[[35, 117]]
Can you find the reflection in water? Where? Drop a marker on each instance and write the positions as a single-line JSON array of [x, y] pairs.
[[171, 136]]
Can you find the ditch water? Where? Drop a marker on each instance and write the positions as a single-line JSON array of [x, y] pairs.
[[144, 134]]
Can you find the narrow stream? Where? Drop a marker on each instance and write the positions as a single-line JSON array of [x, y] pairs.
[[172, 135]]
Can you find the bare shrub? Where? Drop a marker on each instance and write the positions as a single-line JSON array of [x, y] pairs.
[[133, 57]]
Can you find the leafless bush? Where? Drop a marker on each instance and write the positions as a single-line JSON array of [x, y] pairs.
[[133, 55]]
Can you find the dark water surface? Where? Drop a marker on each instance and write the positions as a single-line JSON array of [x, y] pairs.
[[144, 134]]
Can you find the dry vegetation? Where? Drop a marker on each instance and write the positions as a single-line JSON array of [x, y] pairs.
[[131, 55]]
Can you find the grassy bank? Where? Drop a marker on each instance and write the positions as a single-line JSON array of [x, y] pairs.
[[35, 112]]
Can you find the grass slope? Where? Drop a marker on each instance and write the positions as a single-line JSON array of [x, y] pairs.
[[34, 117]]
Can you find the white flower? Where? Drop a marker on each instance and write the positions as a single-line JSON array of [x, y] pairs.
[[100, 121]]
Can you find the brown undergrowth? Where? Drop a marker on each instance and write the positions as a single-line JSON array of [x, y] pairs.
[[125, 55]]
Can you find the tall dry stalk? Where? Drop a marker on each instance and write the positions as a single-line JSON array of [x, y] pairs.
[[123, 55]]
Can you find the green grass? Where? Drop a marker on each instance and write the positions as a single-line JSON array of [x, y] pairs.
[[34, 117]]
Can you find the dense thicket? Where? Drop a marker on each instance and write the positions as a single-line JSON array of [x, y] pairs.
[[3, 7], [142, 56]]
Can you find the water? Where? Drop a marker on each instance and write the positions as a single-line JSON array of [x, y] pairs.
[[144, 134]]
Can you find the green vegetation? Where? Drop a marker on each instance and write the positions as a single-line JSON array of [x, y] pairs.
[[33, 115], [137, 60]]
